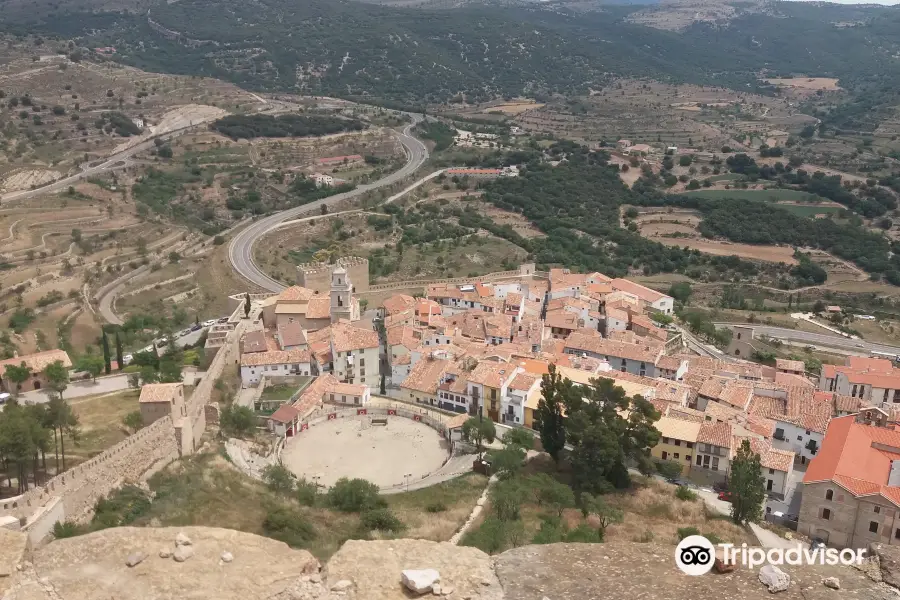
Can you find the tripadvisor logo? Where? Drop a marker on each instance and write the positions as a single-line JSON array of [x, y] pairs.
[[695, 555]]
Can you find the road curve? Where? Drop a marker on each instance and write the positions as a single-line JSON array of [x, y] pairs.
[[240, 250]]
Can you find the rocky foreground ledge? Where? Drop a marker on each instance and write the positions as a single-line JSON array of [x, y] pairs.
[[199, 562]]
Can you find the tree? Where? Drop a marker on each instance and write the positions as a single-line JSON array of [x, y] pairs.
[[549, 415], [133, 420], [606, 515], [104, 342], [278, 479], [479, 430], [818, 307], [63, 421], [681, 291], [506, 499], [149, 375], [553, 493], [519, 437], [669, 469], [747, 486], [246, 305], [237, 421], [607, 430], [120, 360], [507, 461], [18, 376], [354, 495], [90, 363]]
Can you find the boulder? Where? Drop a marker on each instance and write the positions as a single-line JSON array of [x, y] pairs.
[[182, 539], [342, 585], [436, 589], [135, 558], [420, 581], [182, 553], [165, 553], [832, 582], [227, 557], [889, 559], [774, 578]]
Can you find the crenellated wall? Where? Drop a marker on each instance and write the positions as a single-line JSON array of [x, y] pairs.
[[81, 486]]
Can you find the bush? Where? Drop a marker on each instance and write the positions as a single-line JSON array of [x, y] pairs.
[[684, 532], [237, 421], [686, 494], [492, 536], [307, 492], [354, 495], [436, 507], [585, 534], [218, 240], [381, 519], [288, 526], [66, 529], [121, 507], [713, 538], [553, 530], [278, 479]]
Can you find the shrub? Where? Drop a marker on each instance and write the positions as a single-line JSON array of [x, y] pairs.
[[644, 538], [237, 421], [553, 530], [381, 519], [713, 538], [288, 526], [218, 240], [307, 492], [278, 479], [585, 534], [436, 507], [686, 494], [65, 529], [684, 532], [121, 507], [354, 495], [490, 537]]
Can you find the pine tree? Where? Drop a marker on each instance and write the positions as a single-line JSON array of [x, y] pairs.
[[119, 355], [106, 358]]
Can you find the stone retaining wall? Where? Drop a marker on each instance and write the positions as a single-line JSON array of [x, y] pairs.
[[80, 487]]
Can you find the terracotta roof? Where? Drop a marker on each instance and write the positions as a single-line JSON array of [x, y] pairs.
[[523, 381], [295, 293], [425, 375], [404, 336], [793, 380], [286, 413], [160, 392], [350, 389], [682, 412], [847, 404], [669, 363], [254, 341], [644, 293], [783, 364], [848, 455], [291, 334], [38, 361], [717, 434], [346, 337], [457, 421], [730, 391], [491, 374], [678, 429], [319, 307], [513, 299], [275, 357], [562, 319], [398, 303], [580, 341]]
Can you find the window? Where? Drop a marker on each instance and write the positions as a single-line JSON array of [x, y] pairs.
[[897, 534], [665, 455], [771, 471], [362, 363], [687, 457], [665, 440], [826, 513], [873, 526], [675, 456], [799, 438], [690, 444], [829, 495], [877, 510], [677, 442]]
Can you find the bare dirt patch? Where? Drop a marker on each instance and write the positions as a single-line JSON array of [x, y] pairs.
[[27, 179], [807, 83], [513, 108], [380, 454]]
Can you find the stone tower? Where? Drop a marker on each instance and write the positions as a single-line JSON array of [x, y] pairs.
[[341, 295]]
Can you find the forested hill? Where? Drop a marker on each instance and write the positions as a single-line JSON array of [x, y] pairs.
[[411, 56]]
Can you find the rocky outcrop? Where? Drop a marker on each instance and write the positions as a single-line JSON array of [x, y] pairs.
[[95, 567]]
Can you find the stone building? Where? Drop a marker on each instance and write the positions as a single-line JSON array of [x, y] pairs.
[[159, 400], [317, 276], [36, 363]]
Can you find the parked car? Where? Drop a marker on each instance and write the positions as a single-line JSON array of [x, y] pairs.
[[126, 359], [162, 343], [184, 332], [209, 323], [725, 496], [680, 482], [222, 320], [196, 326], [720, 486]]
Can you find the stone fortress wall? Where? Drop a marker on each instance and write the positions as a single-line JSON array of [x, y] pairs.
[[316, 276], [80, 487]]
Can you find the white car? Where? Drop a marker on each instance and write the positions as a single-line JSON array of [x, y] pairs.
[[209, 323], [126, 359], [147, 349]]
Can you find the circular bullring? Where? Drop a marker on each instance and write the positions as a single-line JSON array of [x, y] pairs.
[[354, 446]]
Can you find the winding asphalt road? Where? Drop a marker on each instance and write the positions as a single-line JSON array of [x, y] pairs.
[[818, 339], [240, 251]]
